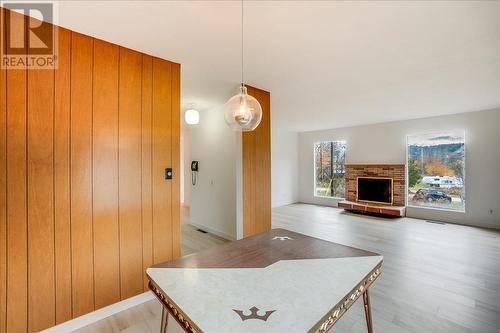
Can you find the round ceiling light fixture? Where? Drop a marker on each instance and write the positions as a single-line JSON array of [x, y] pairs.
[[192, 117], [242, 112]]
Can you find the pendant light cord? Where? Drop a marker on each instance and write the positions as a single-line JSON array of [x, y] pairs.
[[242, 43]]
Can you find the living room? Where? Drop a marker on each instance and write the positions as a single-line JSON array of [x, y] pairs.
[[249, 166]]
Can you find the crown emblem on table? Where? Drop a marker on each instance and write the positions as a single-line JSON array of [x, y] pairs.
[[282, 238], [253, 314]]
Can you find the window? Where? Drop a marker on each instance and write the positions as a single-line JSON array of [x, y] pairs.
[[436, 170], [329, 167]]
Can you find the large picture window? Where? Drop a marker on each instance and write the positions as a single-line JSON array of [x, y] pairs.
[[329, 167], [436, 170]]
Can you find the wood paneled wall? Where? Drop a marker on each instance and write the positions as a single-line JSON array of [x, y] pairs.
[[256, 156], [84, 206]]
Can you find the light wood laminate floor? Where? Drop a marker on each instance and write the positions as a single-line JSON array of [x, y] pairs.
[[436, 277], [192, 240]]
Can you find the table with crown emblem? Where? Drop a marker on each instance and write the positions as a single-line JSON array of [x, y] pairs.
[[277, 281]]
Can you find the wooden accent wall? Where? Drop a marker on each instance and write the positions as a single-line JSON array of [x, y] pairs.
[[84, 206], [256, 158]]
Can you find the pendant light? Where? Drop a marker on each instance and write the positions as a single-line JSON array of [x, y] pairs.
[[242, 112]]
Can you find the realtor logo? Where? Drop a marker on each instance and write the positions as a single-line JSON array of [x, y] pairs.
[[29, 39]]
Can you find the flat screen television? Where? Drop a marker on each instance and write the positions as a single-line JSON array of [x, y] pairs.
[[374, 189]]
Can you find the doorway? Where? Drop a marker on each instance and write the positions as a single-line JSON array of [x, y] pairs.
[[197, 193]]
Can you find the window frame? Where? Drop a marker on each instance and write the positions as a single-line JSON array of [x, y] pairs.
[[315, 195], [407, 175]]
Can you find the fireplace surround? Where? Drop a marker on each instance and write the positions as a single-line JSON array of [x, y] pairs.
[[394, 173]]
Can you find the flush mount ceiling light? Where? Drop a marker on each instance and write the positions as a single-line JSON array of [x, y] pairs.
[[192, 117], [242, 112]]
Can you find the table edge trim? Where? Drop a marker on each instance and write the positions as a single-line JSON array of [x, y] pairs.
[[327, 322], [184, 321]]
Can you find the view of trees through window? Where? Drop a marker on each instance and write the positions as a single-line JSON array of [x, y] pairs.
[[329, 160], [436, 170]]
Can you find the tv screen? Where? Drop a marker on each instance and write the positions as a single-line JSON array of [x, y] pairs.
[[378, 190]]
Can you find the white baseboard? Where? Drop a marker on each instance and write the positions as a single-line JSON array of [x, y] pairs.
[[100, 314], [213, 231]]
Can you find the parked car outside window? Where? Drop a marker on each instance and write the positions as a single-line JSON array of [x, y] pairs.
[[431, 196]]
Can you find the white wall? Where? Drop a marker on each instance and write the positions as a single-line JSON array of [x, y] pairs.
[[284, 167], [386, 143], [215, 202], [213, 198], [185, 166]]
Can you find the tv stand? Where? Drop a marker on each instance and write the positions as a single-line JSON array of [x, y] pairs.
[[358, 206]]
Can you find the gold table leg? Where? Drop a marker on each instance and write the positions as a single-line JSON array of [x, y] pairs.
[[368, 311], [164, 320]]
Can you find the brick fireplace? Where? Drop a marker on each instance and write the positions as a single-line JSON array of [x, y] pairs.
[[396, 172]]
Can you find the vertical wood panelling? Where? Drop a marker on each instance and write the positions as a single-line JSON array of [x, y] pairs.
[[41, 267], [16, 202], [248, 144], [84, 204], [17, 269], [147, 204], [176, 163], [263, 158], [62, 177], [17, 242], [105, 174], [256, 157], [3, 187], [162, 143], [81, 174], [130, 172]]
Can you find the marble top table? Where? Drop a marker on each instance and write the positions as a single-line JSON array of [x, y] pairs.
[[278, 281]]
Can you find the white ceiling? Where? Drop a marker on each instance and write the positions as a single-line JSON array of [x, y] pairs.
[[327, 64]]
